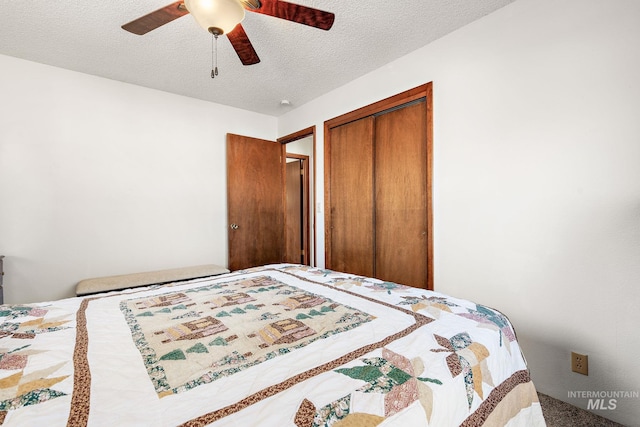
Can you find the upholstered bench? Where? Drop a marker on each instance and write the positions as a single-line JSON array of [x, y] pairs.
[[126, 281]]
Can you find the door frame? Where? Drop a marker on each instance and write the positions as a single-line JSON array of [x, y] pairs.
[[304, 161], [422, 91], [311, 221]]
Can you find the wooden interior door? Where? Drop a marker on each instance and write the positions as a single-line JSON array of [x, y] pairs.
[[255, 201], [349, 197], [293, 220], [401, 195]]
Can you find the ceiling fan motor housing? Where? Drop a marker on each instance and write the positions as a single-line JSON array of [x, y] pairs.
[[216, 16]]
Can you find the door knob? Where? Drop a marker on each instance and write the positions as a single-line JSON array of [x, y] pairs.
[[234, 226]]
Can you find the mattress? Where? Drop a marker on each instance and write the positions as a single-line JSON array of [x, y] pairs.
[[278, 345]]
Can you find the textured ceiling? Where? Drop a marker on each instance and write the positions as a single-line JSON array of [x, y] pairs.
[[298, 63]]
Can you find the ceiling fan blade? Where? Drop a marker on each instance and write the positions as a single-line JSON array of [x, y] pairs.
[[243, 46], [296, 13], [156, 19]]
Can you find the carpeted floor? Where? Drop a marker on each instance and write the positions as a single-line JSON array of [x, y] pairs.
[[560, 414]]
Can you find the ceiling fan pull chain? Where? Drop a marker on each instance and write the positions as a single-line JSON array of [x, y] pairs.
[[214, 55]]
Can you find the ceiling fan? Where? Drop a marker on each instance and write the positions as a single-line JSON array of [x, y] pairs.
[[224, 17]]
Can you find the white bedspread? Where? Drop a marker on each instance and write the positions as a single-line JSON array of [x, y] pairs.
[[281, 345]]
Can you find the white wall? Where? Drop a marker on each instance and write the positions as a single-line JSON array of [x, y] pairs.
[[536, 179], [99, 177]]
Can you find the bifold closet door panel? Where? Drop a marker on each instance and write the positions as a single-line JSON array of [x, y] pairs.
[[351, 198], [401, 196]]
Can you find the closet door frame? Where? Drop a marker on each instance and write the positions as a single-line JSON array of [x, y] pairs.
[[423, 91]]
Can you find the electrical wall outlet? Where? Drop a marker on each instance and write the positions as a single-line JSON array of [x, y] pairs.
[[580, 363]]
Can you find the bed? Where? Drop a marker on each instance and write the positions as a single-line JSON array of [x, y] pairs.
[[278, 345]]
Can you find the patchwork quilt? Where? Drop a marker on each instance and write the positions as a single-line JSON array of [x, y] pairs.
[[279, 345]]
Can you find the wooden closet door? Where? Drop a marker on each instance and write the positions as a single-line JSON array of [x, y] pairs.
[[350, 215], [401, 196]]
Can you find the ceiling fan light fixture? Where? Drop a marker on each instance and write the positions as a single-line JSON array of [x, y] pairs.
[[216, 16]]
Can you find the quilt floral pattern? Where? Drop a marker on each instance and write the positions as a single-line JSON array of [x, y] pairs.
[[392, 382], [20, 383]]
